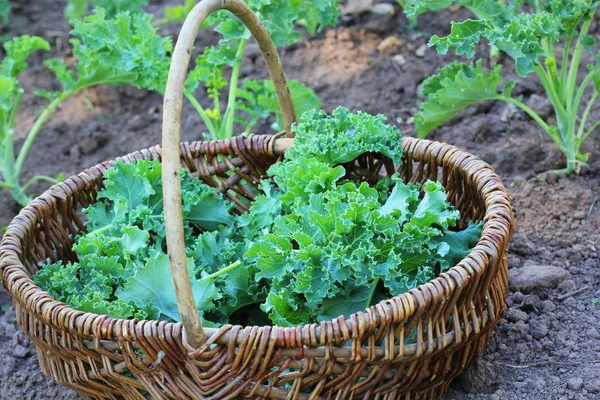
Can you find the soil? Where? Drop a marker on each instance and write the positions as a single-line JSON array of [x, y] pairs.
[[547, 347]]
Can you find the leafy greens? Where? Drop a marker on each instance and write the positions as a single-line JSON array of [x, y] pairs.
[[533, 41], [123, 50], [314, 245]]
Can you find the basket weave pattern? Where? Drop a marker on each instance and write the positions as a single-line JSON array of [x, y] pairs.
[[407, 347]]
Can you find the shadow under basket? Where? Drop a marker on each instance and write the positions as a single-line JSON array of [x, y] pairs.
[[408, 347]]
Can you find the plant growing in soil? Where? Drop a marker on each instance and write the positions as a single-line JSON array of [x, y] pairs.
[[535, 41], [124, 50], [314, 245], [255, 99]]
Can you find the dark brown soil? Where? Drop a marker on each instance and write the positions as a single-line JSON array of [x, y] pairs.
[[546, 348]]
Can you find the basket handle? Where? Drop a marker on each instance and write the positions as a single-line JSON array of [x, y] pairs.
[[192, 325]]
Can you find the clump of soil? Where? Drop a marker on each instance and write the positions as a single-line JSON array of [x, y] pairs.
[[547, 346]]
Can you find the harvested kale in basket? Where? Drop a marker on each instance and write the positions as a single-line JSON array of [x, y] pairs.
[[315, 244]]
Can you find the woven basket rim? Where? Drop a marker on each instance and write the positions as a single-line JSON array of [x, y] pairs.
[[498, 220]]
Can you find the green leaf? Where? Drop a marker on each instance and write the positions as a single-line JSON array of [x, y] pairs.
[[414, 8], [299, 181], [571, 12], [271, 256], [283, 311], [316, 15], [259, 100], [402, 198], [123, 50], [154, 284], [204, 208], [126, 181], [344, 136], [134, 240], [8, 89], [17, 52], [434, 209], [454, 88], [346, 304], [460, 243], [114, 7], [179, 12], [263, 211], [463, 37], [63, 75], [76, 8], [518, 35]]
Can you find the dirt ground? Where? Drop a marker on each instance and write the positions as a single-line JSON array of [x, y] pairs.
[[547, 347]]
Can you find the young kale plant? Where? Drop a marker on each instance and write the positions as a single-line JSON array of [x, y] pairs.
[[124, 50], [549, 41], [254, 99], [315, 245]]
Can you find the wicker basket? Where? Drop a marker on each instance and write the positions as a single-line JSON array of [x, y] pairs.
[[407, 347]]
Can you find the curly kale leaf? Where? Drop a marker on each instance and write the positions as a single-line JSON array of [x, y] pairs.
[[481, 8], [516, 33], [18, 51], [258, 100], [316, 15], [121, 258], [279, 18], [123, 50], [455, 87], [343, 136], [332, 251]]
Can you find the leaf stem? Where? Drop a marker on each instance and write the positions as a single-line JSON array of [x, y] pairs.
[[35, 130], [100, 230], [227, 129], [39, 178], [205, 118], [554, 98], [222, 271], [587, 80], [375, 283], [575, 61], [13, 113], [564, 65], [527, 109]]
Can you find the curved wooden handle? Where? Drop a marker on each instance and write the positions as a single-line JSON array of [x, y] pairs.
[[171, 138]]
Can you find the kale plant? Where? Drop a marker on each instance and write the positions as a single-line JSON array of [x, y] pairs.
[[253, 99], [124, 50], [544, 37]]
